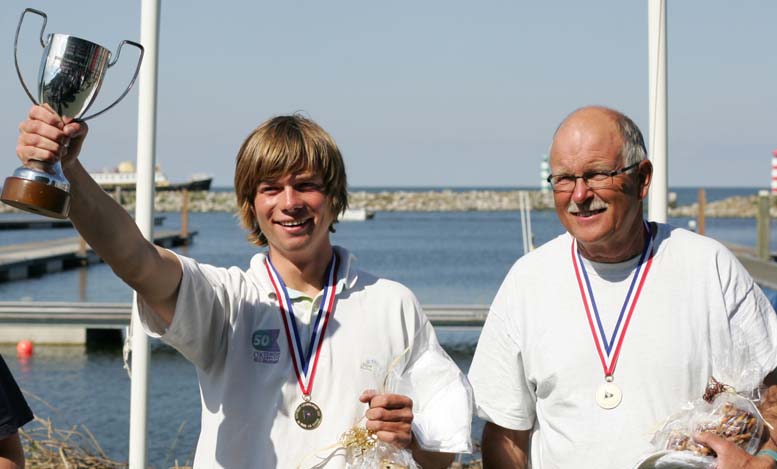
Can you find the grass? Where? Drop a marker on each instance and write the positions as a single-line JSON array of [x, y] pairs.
[[48, 447]]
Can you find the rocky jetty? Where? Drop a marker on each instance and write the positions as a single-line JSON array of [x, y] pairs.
[[732, 207], [447, 201], [431, 201]]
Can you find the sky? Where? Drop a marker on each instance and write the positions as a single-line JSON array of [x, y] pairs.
[[441, 93]]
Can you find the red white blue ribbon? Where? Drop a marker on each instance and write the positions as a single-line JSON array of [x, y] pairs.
[[609, 348], [303, 368]]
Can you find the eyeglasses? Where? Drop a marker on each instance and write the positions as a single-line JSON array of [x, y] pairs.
[[592, 180]]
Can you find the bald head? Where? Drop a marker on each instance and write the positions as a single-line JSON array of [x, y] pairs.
[[605, 123]]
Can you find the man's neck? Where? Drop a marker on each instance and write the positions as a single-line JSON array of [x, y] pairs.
[[305, 274], [630, 248]]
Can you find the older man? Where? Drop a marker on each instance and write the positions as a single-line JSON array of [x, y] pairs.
[[599, 335]]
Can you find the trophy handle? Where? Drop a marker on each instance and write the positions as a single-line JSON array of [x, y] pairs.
[[16, 43], [132, 82]]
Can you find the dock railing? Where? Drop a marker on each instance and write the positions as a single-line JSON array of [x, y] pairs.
[[117, 315]]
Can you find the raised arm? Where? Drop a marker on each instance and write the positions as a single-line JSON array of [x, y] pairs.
[[153, 272], [504, 448]]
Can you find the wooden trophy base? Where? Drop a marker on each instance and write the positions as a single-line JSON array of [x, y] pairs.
[[36, 197]]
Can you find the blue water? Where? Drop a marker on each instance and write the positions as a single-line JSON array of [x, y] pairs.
[[685, 195], [445, 258]]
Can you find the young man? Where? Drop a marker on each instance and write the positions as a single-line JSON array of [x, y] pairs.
[[598, 336], [289, 353], [14, 413]]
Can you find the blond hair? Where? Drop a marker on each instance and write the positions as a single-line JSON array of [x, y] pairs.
[[281, 146]]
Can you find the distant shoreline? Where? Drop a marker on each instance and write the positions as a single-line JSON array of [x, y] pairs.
[[445, 200], [491, 188]]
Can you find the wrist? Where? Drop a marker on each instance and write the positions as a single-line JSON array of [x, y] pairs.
[[68, 163], [768, 453]]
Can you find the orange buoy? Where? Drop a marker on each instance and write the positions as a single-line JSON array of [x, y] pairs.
[[24, 348]]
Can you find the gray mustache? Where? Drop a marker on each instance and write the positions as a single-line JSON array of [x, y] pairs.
[[589, 206]]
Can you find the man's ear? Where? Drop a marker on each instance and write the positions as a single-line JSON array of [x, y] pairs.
[[644, 177]]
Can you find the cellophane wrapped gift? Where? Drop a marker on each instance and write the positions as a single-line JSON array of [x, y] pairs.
[[443, 405], [729, 415], [728, 408]]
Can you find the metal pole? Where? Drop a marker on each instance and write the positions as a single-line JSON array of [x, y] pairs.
[[521, 207], [144, 217], [529, 233], [657, 199]]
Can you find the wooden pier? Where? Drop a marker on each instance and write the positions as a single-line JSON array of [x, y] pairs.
[[764, 272], [117, 315], [25, 260], [41, 223]]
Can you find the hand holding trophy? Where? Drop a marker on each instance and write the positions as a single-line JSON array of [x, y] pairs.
[[70, 75]]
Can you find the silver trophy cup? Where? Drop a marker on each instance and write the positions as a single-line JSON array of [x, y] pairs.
[[71, 72]]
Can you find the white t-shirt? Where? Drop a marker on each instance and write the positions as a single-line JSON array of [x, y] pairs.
[[227, 322], [536, 365]]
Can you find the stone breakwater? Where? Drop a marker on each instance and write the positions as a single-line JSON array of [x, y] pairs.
[[431, 201], [447, 201], [732, 207]]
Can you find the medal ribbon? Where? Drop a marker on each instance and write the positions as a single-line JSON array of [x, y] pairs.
[[302, 366], [607, 354]]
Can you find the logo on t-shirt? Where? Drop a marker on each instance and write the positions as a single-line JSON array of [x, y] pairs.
[[265, 343]]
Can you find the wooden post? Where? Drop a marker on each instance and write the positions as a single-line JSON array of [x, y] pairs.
[[82, 283], [82, 251], [700, 218], [762, 247], [185, 214]]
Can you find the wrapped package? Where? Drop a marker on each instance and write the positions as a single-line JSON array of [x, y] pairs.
[[729, 415], [443, 406], [727, 408]]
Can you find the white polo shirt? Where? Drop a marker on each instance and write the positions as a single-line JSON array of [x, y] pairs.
[[227, 322]]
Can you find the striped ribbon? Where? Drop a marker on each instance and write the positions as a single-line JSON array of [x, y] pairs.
[[302, 362], [609, 348]]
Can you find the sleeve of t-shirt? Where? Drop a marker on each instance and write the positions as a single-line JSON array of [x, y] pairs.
[[14, 411], [752, 318], [204, 311], [503, 394]]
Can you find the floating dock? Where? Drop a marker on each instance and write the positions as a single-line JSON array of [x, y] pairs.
[[20, 261], [73, 323], [46, 223]]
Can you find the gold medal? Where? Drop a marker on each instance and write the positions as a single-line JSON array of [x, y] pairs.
[[608, 396], [308, 415]]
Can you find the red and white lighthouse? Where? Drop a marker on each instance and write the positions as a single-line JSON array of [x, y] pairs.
[[774, 172]]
